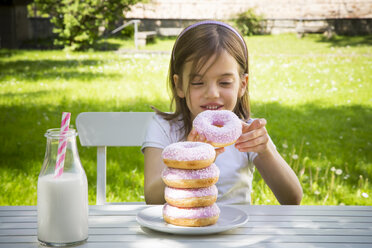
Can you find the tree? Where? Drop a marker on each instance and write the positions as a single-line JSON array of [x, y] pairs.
[[77, 22]]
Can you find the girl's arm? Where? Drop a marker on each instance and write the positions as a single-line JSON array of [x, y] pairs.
[[277, 174], [154, 185]]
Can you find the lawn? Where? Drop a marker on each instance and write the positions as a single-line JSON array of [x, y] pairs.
[[316, 95]]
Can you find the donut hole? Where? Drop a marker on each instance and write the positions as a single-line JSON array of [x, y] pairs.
[[187, 145], [218, 124]]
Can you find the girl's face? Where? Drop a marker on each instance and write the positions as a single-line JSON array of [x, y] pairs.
[[217, 86]]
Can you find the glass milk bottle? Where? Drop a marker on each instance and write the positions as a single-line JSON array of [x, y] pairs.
[[62, 201]]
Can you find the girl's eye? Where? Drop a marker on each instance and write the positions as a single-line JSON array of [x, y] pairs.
[[225, 83], [196, 83]]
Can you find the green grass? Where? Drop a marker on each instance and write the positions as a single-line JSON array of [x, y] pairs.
[[316, 95]]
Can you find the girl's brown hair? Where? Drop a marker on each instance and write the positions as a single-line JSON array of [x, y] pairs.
[[198, 44]]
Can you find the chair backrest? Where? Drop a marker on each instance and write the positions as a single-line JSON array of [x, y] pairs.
[[103, 129]]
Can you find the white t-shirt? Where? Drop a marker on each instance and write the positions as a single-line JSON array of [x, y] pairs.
[[236, 168]]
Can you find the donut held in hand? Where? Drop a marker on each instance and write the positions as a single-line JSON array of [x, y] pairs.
[[188, 198], [194, 217], [188, 179], [189, 155], [220, 127]]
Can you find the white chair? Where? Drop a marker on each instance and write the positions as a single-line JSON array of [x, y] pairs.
[[103, 129]]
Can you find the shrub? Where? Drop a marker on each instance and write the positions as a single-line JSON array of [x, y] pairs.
[[128, 31], [77, 22], [249, 23]]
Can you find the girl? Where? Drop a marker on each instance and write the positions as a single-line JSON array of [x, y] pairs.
[[209, 70]]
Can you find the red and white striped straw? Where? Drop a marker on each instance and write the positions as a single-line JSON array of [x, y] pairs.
[[60, 162]]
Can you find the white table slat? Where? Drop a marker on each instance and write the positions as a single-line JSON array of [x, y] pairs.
[[261, 218], [258, 208], [238, 231], [253, 210], [320, 225], [243, 239], [172, 244]]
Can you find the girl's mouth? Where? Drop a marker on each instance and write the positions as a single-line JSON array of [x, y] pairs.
[[212, 107]]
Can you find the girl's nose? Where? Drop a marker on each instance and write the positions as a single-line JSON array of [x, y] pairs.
[[212, 91]]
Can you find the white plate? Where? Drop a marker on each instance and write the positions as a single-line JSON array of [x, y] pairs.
[[230, 218]]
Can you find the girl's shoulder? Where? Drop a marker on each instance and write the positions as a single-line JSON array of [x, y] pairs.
[[164, 121], [171, 127], [160, 119], [160, 133]]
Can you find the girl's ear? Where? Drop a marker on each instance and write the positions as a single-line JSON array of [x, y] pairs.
[[244, 85], [177, 83]]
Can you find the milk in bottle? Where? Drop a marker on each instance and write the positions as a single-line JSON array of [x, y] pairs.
[[62, 203]]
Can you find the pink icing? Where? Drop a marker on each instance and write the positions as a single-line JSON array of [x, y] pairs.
[[191, 213], [175, 193], [207, 123], [176, 174], [188, 151]]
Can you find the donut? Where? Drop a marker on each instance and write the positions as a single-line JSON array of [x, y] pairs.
[[187, 179], [220, 127], [203, 216], [189, 155], [188, 198]]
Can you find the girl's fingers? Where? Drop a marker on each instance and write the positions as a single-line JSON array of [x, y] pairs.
[[201, 138], [192, 135], [245, 127], [249, 145], [251, 135], [219, 150], [257, 124], [257, 149], [195, 136]]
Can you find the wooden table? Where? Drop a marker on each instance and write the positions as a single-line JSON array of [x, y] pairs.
[[268, 226]]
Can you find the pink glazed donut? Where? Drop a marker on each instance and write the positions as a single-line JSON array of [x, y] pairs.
[[190, 179], [203, 216], [189, 155], [188, 198], [220, 127]]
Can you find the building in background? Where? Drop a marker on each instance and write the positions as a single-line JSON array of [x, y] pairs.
[[168, 17]]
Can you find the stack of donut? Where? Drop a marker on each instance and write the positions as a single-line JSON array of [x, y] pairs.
[[190, 178], [191, 175]]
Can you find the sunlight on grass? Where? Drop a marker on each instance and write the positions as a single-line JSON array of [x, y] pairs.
[[314, 93]]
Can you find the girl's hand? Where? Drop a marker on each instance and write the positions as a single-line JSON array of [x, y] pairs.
[[254, 137], [194, 136]]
